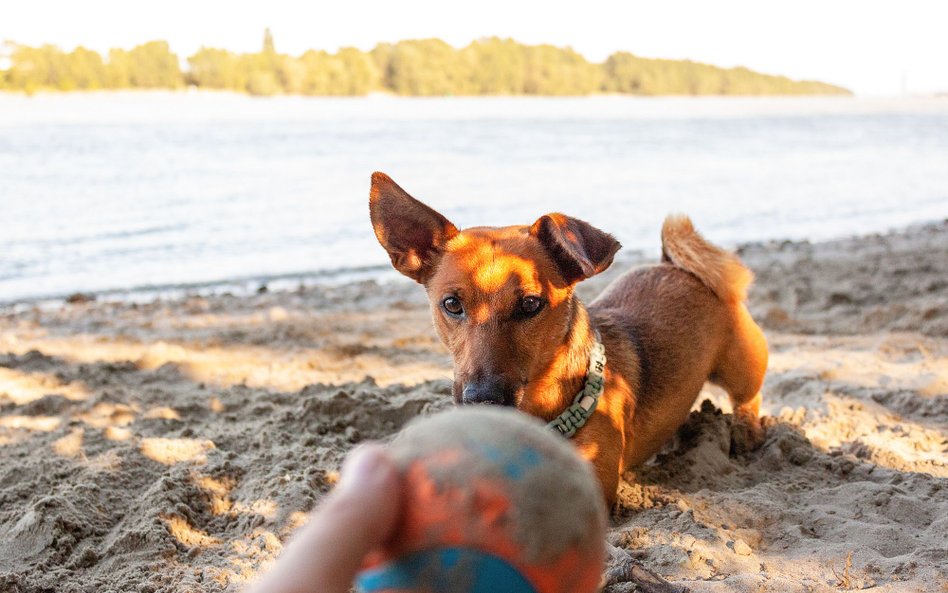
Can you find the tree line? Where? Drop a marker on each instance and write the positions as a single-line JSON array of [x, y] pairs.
[[425, 67]]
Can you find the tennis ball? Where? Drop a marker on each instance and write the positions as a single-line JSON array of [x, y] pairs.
[[493, 502]]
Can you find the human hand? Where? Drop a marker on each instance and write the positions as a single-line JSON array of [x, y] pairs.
[[356, 517]]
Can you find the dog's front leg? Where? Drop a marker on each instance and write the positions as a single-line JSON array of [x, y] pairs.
[[601, 443]]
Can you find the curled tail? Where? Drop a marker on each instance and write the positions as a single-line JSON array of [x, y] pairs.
[[719, 270]]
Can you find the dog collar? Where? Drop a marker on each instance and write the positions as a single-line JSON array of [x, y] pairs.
[[584, 404]]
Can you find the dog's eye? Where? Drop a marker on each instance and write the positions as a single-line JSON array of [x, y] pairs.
[[452, 305], [531, 305]]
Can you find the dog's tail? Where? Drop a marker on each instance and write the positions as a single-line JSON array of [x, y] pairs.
[[719, 270]]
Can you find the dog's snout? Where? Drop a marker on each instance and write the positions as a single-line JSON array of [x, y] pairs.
[[487, 391]]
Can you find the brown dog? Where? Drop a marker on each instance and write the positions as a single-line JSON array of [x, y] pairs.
[[502, 302]]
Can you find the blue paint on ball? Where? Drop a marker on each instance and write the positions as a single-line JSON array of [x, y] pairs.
[[445, 570], [514, 462]]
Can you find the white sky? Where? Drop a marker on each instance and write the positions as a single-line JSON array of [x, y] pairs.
[[870, 46]]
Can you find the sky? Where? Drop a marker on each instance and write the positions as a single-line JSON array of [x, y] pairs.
[[873, 47]]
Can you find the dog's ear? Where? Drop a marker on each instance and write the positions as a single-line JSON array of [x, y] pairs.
[[413, 234], [579, 249]]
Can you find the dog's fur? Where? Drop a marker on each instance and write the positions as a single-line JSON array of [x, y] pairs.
[[667, 328]]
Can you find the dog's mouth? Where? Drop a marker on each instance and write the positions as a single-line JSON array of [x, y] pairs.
[[508, 404]]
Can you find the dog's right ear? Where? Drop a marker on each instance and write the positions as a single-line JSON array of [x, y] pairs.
[[413, 234], [579, 249]]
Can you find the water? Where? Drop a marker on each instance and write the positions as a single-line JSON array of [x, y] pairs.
[[103, 192]]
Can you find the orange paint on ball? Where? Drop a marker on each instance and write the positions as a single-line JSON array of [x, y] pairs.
[[493, 501]]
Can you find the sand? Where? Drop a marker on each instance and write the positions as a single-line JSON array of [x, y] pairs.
[[173, 446]]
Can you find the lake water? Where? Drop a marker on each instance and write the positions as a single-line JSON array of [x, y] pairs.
[[110, 192]]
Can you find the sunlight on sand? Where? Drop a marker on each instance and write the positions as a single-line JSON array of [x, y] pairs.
[[252, 555], [230, 320], [105, 414], [254, 366], [248, 555], [71, 444], [162, 413], [872, 432], [849, 414], [109, 461], [187, 534], [893, 362], [40, 423], [171, 451], [217, 490], [296, 520], [264, 507], [22, 388], [115, 433]]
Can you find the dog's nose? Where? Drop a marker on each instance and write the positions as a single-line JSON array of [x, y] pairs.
[[485, 391]]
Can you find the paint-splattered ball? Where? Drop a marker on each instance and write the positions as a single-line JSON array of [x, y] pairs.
[[494, 501]]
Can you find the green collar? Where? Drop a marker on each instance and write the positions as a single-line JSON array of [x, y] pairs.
[[584, 404]]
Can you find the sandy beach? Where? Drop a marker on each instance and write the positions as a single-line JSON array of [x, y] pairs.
[[174, 445]]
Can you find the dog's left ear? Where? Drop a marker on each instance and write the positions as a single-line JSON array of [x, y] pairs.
[[579, 249], [413, 234]]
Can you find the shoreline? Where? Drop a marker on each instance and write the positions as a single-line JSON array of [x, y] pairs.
[[382, 273], [936, 98], [244, 286], [176, 444], [641, 106]]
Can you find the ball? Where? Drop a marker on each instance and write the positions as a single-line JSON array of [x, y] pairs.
[[493, 501]]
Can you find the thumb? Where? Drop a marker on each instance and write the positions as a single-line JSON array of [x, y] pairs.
[[355, 518]]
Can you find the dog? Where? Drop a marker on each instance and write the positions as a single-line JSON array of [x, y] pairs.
[[503, 303]]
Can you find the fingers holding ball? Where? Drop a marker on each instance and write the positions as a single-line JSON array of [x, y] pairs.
[[492, 501]]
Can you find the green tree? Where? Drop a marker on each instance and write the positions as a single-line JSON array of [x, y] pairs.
[[267, 72], [316, 73], [382, 56], [291, 74], [349, 72], [552, 70], [499, 67], [37, 68], [487, 66], [118, 70], [428, 67], [86, 69], [263, 83], [216, 69], [268, 46], [626, 73], [153, 66], [362, 74]]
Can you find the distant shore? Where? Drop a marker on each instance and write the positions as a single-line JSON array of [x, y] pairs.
[[191, 89], [416, 67]]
